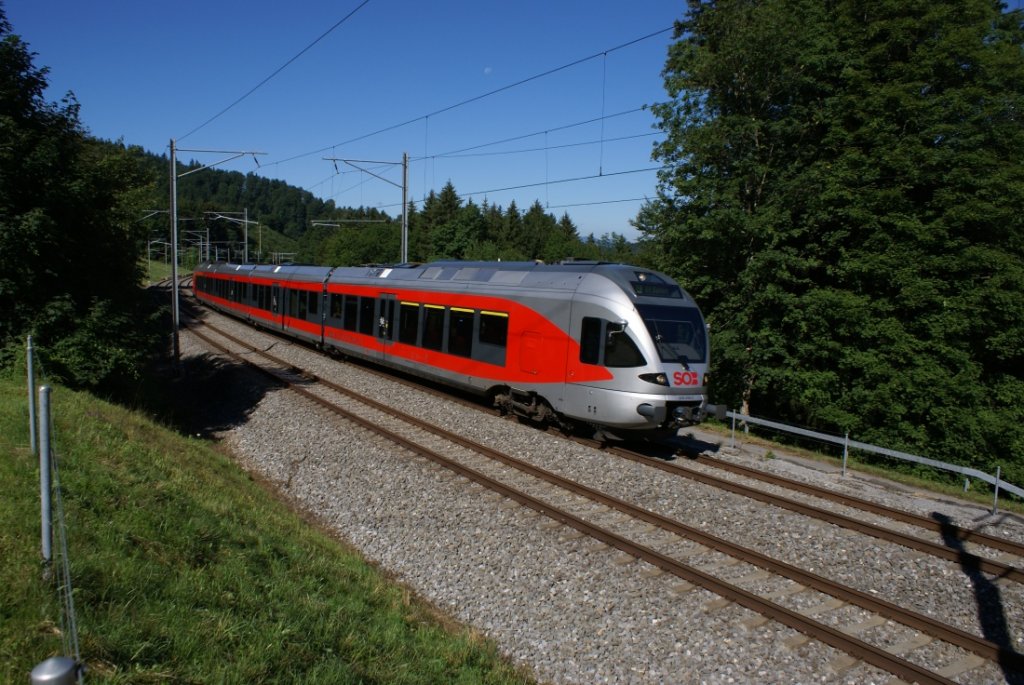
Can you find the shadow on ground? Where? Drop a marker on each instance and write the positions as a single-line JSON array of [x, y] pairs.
[[210, 394]]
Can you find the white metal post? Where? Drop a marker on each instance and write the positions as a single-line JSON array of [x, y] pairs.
[[995, 497], [846, 451], [405, 207], [31, 397], [176, 351], [245, 237], [44, 480]]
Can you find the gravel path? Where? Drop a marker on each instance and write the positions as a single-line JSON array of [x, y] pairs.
[[570, 608]]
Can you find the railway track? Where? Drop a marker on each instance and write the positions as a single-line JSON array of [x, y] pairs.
[[858, 649], [1000, 568], [964, 535]]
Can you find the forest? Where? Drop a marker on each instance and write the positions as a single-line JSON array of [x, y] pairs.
[[441, 226], [841, 190]]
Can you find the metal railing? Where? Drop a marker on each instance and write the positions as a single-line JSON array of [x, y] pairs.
[[967, 472]]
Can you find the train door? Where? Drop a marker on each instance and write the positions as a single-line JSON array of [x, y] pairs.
[[385, 322], [276, 305]]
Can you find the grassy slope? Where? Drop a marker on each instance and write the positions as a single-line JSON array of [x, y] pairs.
[[186, 570]]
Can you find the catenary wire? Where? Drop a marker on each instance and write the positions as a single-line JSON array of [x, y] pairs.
[[276, 71], [472, 99], [541, 183]]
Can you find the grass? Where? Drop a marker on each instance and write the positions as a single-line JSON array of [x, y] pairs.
[[186, 570]]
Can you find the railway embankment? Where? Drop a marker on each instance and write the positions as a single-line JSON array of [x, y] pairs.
[[185, 568]]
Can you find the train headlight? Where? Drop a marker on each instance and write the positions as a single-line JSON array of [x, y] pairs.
[[656, 378]]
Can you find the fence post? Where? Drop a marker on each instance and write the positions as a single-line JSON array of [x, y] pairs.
[[732, 439], [31, 397], [44, 481], [57, 670], [995, 498], [846, 451]]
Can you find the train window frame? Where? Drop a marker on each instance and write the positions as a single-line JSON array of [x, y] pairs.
[[591, 332], [669, 326], [350, 322], [596, 336], [313, 306], [434, 313], [336, 307], [491, 337], [367, 314], [460, 331], [625, 354], [493, 328], [409, 322]]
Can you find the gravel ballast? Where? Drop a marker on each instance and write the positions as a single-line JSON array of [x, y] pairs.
[[568, 607]]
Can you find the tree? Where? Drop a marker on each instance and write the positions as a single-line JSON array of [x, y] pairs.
[[562, 241], [70, 244], [841, 194], [537, 227]]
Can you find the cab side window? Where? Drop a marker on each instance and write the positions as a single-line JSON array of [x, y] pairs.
[[605, 342], [590, 341]]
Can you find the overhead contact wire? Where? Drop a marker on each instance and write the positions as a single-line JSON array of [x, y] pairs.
[[277, 71], [476, 98]]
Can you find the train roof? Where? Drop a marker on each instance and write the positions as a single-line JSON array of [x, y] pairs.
[[637, 282]]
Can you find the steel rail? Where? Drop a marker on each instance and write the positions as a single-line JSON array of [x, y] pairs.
[[834, 637], [991, 566], [963, 534]]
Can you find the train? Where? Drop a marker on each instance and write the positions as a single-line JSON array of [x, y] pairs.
[[617, 349]]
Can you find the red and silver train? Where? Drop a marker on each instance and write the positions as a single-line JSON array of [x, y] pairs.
[[620, 348]]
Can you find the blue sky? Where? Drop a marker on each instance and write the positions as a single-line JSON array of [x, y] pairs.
[[146, 72]]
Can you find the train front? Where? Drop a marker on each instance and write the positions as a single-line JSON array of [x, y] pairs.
[[670, 391]]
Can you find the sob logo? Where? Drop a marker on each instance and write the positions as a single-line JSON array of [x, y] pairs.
[[686, 378]]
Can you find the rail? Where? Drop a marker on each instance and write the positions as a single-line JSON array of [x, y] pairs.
[[967, 472]]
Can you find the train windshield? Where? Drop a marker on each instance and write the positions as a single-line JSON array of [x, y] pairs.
[[678, 332]]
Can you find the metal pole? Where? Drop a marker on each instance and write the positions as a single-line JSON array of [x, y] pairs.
[[245, 237], [31, 397], [995, 498], [176, 350], [57, 670], [405, 207], [44, 480], [732, 438], [846, 451]]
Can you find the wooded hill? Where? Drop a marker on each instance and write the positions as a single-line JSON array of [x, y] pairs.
[[442, 226]]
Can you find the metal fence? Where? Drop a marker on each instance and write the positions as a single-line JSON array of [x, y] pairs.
[[57, 670], [995, 481]]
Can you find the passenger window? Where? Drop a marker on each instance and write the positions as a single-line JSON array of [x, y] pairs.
[[336, 310], [408, 323], [366, 306], [351, 312], [433, 327], [314, 299], [494, 328], [460, 332]]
